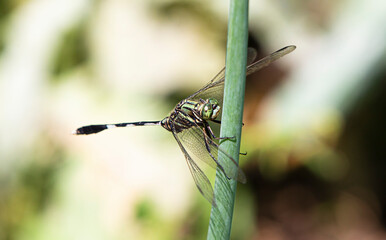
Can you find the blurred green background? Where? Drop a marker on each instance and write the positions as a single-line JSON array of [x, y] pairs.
[[314, 121]]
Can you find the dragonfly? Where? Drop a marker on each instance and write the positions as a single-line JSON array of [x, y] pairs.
[[189, 124]]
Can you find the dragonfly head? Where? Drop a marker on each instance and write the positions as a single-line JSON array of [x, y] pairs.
[[210, 109]]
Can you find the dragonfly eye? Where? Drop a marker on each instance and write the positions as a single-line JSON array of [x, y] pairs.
[[215, 108], [207, 111], [216, 111]]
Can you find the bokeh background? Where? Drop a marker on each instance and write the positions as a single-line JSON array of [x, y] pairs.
[[314, 121]]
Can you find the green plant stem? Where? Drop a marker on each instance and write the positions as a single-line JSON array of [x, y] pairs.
[[225, 190]]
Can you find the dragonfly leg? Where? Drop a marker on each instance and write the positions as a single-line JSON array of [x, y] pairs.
[[209, 130], [219, 122], [206, 140], [197, 115]]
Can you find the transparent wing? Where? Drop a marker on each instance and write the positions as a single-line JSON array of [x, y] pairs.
[[202, 147], [202, 182], [215, 87], [269, 59]]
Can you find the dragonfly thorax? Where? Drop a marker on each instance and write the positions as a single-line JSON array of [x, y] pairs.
[[191, 113]]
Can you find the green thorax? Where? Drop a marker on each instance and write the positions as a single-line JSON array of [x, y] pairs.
[[203, 109], [189, 113]]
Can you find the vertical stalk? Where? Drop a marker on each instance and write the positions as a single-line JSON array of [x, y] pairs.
[[225, 190]]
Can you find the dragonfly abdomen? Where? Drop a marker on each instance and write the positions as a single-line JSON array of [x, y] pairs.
[[90, 129]]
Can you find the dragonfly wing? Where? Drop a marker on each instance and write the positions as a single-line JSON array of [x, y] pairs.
[[202, 182], [202, 147], [269, 59], [215, 88]]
